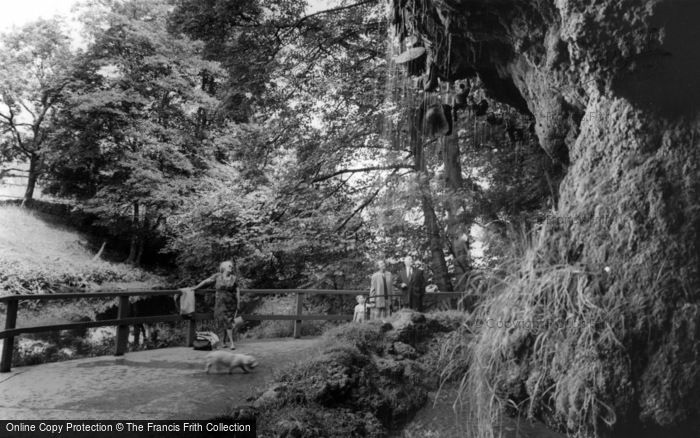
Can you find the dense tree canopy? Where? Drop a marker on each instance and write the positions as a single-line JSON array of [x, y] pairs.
[[133, 133], [288, 140], [34, 64]]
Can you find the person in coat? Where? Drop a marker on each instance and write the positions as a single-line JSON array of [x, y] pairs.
[[412, 284], [380, 292]]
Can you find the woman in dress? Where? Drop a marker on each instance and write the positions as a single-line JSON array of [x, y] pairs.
[[227, 298]]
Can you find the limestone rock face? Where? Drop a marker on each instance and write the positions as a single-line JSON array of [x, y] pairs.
[[614, 88], [410, 330], [403, 351]]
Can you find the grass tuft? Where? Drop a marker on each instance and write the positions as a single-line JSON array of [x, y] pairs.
[[561, 337]]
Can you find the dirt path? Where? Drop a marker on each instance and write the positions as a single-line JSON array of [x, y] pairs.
[[168, 383]]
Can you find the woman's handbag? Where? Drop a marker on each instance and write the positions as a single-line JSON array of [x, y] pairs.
[[205, 341], [237, 321], [201, 344]]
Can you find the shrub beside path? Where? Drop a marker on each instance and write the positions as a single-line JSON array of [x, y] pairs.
[[167, 383]]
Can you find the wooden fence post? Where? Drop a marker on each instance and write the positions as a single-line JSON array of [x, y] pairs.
[[191, 331], [9, 342], [122, 330], [297, 323]]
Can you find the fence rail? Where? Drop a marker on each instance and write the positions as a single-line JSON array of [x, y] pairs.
[[124, 320]]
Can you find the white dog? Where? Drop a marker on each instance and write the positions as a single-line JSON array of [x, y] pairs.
[[225, 359]]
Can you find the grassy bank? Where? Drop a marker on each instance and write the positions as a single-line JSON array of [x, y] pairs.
[[37, 256]]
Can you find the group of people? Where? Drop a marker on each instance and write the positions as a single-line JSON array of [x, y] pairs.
[[410, 283]]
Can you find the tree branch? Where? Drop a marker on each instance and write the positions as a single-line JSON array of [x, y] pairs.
[[13, 128], [362, 206], [330, 11], [297, 25], [24, 105], [12, 169], [363, 169], [358, 209]]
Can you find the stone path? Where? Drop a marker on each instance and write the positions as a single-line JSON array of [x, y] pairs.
[[167, 383]]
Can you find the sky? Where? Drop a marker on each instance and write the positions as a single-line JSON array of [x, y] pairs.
[[19, 12], [319, 5]]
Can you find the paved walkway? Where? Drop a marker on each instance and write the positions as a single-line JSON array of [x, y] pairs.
[[167, 383]]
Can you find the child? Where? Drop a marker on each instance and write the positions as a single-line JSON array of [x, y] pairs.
[[360, 309]]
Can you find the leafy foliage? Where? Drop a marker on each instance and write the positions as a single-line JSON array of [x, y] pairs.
[[136, 120], [248, 129], [34, 62]]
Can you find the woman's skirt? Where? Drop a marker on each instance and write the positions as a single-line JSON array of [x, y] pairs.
[[225, 309]]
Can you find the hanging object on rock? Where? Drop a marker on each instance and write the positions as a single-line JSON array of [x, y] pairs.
[[514, 132], [460, 100], [409, 55], [438, 120], [414, 59], [480, 108], [430, 82], [493, 119], [411, 40], [447, 110], [397, 6]]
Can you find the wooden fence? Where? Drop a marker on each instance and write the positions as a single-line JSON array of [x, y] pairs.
[[124, 320]]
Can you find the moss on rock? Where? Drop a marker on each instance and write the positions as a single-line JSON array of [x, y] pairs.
[[364, 382], [599, 325]]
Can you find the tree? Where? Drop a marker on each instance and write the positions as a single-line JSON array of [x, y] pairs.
[[245, 36], [309, 119], [321, 158], [136, 120], [335, 110], [34, 62]]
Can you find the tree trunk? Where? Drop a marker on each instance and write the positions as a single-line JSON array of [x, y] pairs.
[[99, 253], [135, 234], [457, 231], [139, 253], [32, 176], [436, 243], [145, 228], [133, 250], [441, 276]]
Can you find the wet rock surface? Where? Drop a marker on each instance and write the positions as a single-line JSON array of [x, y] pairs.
[[610, 87]]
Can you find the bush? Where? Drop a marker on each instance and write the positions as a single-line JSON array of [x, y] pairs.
[[35, 349], [362, 375]]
